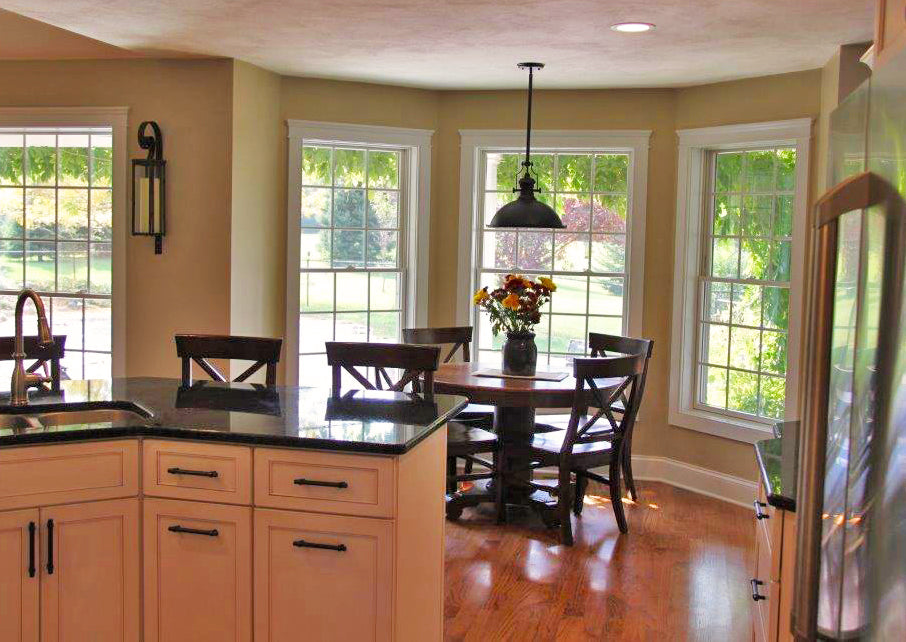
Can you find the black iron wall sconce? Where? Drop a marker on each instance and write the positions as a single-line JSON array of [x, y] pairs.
[[149, 187]]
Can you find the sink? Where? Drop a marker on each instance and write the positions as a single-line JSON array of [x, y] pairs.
[[94, 416], [109, 412]]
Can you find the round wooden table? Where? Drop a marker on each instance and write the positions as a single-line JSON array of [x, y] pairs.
[[515, 402]]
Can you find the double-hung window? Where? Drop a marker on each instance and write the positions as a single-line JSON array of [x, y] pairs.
[[354, 222], [737, 291], [596, 183], [57, 221]]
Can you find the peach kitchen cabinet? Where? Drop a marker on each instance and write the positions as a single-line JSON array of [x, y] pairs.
[[198, 572], [69, 567]]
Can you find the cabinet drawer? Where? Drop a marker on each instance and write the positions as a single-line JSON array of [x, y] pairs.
[[330, 575], [770, 529], [67, 473], [325, 482], [203, 472]]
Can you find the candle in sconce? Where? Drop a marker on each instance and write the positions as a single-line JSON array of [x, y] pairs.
[[145, 185]]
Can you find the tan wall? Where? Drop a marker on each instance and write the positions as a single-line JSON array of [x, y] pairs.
[[218, 125], [258, 209], [187, 288]]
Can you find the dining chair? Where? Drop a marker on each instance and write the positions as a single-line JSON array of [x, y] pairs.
[[264, 352], [44, 356], [603, 345], [460, 340], [586, 444], [417, 363]]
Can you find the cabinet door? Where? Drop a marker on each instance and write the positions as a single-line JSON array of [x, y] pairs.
[[19, 576], [334, 574], [198, 572], [90, 572]]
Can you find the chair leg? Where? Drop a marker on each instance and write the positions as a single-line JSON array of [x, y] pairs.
[[615, 497], [627, 471], [451, 475], [564, 500], [467, 467], [581, 488]]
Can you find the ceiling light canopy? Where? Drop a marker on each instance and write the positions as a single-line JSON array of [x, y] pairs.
[[526, 210], [632, 27]]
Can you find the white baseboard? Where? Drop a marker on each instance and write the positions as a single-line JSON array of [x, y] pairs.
[[695, 478], [686, 476]]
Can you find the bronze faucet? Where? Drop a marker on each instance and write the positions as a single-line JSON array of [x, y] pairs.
[[22, 380]]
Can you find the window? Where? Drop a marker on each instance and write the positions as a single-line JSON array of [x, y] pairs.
[[595, 188], [355, 218], [740, 245], [56, 237]]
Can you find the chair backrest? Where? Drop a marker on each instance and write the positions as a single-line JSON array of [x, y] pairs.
[[414, 361], [42, 355], [604, 345], [589, 373], [458, 337], [201, 347]]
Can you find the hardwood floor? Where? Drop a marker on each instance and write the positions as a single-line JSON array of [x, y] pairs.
[[681, 573]]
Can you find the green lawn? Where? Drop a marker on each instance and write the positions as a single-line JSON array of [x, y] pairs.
[[72, 271]]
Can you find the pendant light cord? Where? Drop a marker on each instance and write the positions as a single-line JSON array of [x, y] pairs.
[[528, 127]]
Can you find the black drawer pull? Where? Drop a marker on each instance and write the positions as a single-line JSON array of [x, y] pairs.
[[755, 594], [193, 531], [301, 543], [758, 506], [314, 482], [32, 528], [50, 547], [195, 473]]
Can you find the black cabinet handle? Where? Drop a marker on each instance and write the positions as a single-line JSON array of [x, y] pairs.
[[755, 594], [50, 547], [195, 473], [301, 543], [193, 531], [314, 482], [32, 529], [758, 506]]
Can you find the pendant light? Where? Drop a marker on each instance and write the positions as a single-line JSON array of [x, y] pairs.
[[526, 210]]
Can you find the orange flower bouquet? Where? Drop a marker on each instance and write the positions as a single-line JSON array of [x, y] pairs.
[[515, 309]]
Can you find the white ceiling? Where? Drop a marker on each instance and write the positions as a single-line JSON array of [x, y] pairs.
[[476, 43]]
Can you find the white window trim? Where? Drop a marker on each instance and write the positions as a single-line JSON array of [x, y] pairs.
[[693, 146], [475, 141], [116, 118], [418, 144]]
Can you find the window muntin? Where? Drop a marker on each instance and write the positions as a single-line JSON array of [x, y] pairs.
[[591, 191], [743, 320], [352, 249], [56, 235]]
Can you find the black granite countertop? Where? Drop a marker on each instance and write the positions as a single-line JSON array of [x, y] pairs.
[[361, 421], [778, 463]]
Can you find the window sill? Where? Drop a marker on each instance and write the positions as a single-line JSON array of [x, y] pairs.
[[720, 426]]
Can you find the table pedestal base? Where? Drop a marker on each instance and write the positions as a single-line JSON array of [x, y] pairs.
[[515, 426]]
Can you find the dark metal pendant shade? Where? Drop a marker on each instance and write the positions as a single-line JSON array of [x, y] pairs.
[[526, 210]]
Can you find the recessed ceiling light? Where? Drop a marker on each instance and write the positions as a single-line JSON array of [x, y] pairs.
[[632, 27]]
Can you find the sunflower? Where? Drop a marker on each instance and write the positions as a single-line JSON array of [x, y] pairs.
[[480, 296], [511, 302]]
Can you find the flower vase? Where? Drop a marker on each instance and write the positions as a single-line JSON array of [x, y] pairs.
[[520, 355]]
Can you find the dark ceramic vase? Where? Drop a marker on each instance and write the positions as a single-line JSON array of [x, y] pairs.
[[520, 355]]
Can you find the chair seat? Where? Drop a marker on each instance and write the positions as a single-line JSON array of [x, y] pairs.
[[552, 443], [476, 412], [471, 437]]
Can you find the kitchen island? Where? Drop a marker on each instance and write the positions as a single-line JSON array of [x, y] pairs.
[[221, 512]]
